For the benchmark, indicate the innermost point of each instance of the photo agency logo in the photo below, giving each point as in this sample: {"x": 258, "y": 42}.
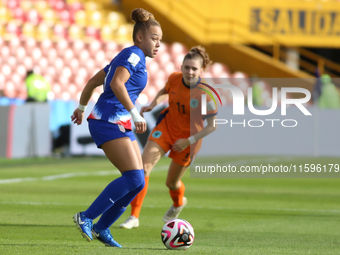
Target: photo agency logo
{"x": 238, "y": 106}
{"x": 212, "y": 104}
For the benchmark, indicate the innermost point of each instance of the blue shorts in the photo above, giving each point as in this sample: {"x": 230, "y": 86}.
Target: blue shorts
{"x": 103, "y": 131}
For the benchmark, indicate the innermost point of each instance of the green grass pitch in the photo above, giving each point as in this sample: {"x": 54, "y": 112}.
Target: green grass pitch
{"x": 38, "y": 198}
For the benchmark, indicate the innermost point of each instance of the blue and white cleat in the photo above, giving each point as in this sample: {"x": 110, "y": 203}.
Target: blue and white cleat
{"x": 84, "y": 225}
{"x": 105, "y": 237}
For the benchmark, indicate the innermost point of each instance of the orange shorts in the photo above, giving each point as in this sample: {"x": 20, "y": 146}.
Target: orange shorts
{"x": 161, "y": 136}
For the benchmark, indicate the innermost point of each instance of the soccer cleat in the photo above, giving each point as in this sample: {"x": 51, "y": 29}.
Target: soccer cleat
{"x": 84, "y": 225}
{"x": 174, "y": 212}
{"x": 105, "y": 237}
{"x": 131, "y": 222}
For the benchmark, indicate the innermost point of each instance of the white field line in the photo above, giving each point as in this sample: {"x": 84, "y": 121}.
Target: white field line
{"x": 190, "y": 207}
{"x": 69, "y": 175}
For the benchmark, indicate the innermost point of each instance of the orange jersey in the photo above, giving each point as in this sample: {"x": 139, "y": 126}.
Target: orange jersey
{"x": 184, "y": 117}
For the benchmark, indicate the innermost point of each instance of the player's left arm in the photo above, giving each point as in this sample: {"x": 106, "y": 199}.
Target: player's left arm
{"x": 181, "y": 144}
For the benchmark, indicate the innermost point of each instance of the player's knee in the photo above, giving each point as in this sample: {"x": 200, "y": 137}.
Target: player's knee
{"x": 171, "y": 184}
{"x": 135, "y": 179}
{"x": 147, "y": 169}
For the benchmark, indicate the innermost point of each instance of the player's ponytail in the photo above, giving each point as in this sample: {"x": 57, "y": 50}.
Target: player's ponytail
{"x": 198, "y": 52}
{"x": 143, "y": 21}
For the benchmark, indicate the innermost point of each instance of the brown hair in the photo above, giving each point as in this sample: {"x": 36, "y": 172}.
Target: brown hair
{"x": 198, "y": 52}
{"x": 143, "y": 21}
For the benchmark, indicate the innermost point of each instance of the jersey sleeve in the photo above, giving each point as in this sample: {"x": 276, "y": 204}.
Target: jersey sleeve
{"x": 106, "y": 68}
{"x": 167, "y": 86}
{"x": 129, "y": 60}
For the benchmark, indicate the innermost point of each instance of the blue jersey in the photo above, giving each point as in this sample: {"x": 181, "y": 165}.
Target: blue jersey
{"x": 108, "y": 107}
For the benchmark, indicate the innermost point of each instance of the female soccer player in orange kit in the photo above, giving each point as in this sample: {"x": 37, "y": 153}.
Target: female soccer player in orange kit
{"x": 172, "y": 133}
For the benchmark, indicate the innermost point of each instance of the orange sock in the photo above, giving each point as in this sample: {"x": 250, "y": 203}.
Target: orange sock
{"x": 137, "y": 202}
{"x": 177, "y": 195}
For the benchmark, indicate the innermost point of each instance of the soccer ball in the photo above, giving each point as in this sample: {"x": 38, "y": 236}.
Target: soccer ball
{"x": 177, "y": 234}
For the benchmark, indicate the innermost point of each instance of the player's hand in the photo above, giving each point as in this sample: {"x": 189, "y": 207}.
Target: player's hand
{"x": 180, "y": 145}
{"x": 77, "y": 116}
{"x": 138, "y": 120}
{"x": 145, "y": 109}
{"x": 140, "y": 127}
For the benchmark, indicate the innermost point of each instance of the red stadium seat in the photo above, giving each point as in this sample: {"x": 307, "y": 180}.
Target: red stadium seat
{"x": 169, "y": 68}
{"x": 100, "y": 58}
{"x": 152, "y": 67}
{"x": 43, "y": 64}
{"x": 58, "y": 64}
{"x": 45, "y": 46}
{"x": 12, "y": 30}
{"x": 29, "y": 44}
{"x": 74, "y": 64}
{"x": 36, "y": 55}
{"x": 90, "y": 65}
{"x": 12, "y": 62}
{"x": 82, "y": 72}
{"x": 59, "y": 5}
{"x": 151, "y": 92}
{"x": 6, "y": 71}
{"x": 110, "y": 46}
{"x": 64, "y": 82}
{"x": 65, "y": 17}
{"x": 59, "y": 32}
{"x": 92, "y": 33}
{"x": 159, "y": 83}
{"x": 80, "y": 82}
{"x": 178, "y": 61}
{"x": 66, "y": 72}
{"x": 18, "y": 82}
{"x": 52, "y": 56}
{"x": 83, "y": 56}
{"x": 10, "y": 90}
{"x": 12, "y": 4}
{"x": 65, "y": 95}
{"x": 94, "y": 48}
{"x": 51, "y": 71}
{"x": 21, "y": 70}
{"x": 18, "y": 15}
{"x": 28, "y": 63}
{"x": 163, "y": 58}
{"x": 33, "y": 17}
{"x": 177, "y": 48}
{"x": 75, "y": 6}
{"x": 14, "y": 45}
{"x": 61, "y": 47}
{"x": 68, "y": 55}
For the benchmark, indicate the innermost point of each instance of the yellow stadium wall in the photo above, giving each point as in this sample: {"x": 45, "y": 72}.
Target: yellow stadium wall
{"x": 293, "y": 23}
{"x": 236, "y": 57}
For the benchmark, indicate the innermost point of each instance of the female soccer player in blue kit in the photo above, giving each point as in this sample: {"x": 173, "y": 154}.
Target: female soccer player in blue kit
{"x": 110, "y": 126}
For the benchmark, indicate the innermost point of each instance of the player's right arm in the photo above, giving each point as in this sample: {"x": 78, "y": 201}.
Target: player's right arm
{"x": 161, "y": 95}
{"x": 97, "y": 80}
{"x": 120, "y": 77}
